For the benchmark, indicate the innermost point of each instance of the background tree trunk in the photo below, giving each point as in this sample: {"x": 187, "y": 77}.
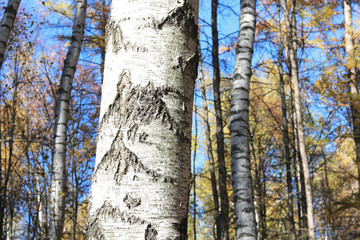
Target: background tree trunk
{"x": 352, "y": 81}
{"x": 239, "y": 125}
{"x": 285, "y": 132}
{"x": 140, "y": 186}
{"x": 209, "y": 147}
{"x": 222, "y": 221}
{"x": 7, "y": 24}
{"x": 58, "y": 177}
{"x": 298, "y": 116}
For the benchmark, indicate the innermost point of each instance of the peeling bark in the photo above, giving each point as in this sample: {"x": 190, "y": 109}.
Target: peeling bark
{"x": 140, "y": 186}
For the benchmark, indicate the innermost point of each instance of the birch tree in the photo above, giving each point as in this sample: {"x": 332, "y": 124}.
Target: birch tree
{"x": 58, "y": 177}
{"x": 140, "y": 186}
{"x": 239, "y": 125}
{"x": 7, "y": 24}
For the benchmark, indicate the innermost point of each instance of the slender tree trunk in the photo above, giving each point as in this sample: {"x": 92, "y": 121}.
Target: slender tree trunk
{"x": 239, "y": 125}
{"x": 7, "y": 24}
{"x": 102, "y": 45}
{"x": 352, "y": 81}
{"x": 39, "y": 203}
{"x": 298, "y": 115}
{"x": 58, "y": 177}
{"x": 299, "y": 175}
{"x": 209, "y": 148}
{"x": 222, "y": 222}
{"x": 140, "y": 187}
{"x": 194, "y": 168}
{"x": 259, "y": 187}
{"x": 75, "y": 199}
{"x": 285, "y": 133}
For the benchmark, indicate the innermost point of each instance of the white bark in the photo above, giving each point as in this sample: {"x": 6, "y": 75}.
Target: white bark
{"x": 7, "y": 24}
{"x": 140, "y": 186}
{"x": 239, "y": 125}
{"x": 58, "y": 177}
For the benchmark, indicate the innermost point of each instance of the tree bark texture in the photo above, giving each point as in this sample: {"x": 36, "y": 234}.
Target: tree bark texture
{"x": 239, "y": 125}
{"x": 58, "y": 177}
{"x": 222, "y": 221}
{"x": 7, "y": 24}
{"x": 298, "y": 115}
{"x": 140, "y": 186}
{"x": 352, "y": 81}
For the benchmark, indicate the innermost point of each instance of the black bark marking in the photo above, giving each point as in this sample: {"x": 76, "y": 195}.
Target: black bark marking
{"x": 115, "y": 36}
{"x": 143, "y": 136}
{"x": 183, "y": 62}
{"x": 182, "y": 17}
{"x": 181, "y": 228}
{"x": 109, "y": 212}
{"x": 113, "y": 33}
{"x": 151, "y": 233}
{"x": 94, "y": 230}
{"x": 131, "y": 134}
{"x": 133, "y": 107}
{"x": 131, "y": 201}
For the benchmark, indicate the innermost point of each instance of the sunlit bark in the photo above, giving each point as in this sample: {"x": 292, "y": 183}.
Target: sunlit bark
{"x": 140, "y": 187}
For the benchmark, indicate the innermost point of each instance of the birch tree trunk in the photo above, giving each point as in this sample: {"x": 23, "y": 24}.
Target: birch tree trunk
{"x": 140, "y": 187}
{"x": 7, "y": 24}
{"x": 58, "y": 177}
{"x": 222, "y": 221}
{"x": 352, "y": 81}
{"x": 239, "y": 125}
{"x": 298, "y": 116}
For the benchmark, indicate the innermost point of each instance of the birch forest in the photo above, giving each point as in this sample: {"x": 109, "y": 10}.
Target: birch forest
{"x": 179, "y": 119}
